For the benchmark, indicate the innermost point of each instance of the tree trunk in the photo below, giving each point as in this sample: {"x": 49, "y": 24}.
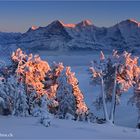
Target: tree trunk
{"x": 113, "y": 103}
{"x": 103, "y": 98}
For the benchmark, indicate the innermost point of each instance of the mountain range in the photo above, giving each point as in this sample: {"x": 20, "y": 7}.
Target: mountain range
{"x": 124, "y": 35}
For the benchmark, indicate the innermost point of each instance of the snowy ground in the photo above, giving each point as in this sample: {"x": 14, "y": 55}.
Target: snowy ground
{"x": 126, "y": 115}
{"x": 30, "y": 128}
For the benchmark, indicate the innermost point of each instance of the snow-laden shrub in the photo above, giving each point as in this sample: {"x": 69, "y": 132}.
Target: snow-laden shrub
{"x": 45, "y": 120}
{"x": 45, "y": 117}
{"x": 39, "y": 108}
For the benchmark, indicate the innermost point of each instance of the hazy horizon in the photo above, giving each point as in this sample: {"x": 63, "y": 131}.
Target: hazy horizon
{"x": 19, "y": 16}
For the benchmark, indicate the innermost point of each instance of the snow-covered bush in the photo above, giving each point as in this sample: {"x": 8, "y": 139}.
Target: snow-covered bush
{"x": 45, "y": 120}
{"x": 39, "y": 108}
{"x": 45, "y": 115}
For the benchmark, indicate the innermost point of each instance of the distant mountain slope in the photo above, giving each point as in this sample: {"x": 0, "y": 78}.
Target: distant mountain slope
{"x": 82, "y": 36}
{"x": 9, "y": 38}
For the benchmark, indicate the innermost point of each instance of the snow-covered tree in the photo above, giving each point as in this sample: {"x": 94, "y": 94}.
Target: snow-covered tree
{"x": 10, "y": 92}
{"x": 18, "y": 58}
{"x": 31, "y": 70}
{"x": 65, "y": 97}
{"x": 81, "y": 108}
{"x": 70, "y": 97}
{"x": 51, "y": 79}
{"x": 39, "y": 108}
{"x": 51, "y": 85}
{"x": 34, "y": 103}
{"x": 4, "y": 99}
{"x": 115, "y": 74}
{"x": 135, "y": 99}
{"x": 45, "y": 115}
{"x": 96, "y": 71}
{"x": 16, "y": 96}
{"x": 21, "y": 105}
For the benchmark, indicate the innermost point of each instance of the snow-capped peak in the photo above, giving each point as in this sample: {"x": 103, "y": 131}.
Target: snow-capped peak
{"x": 134, "y": 21}
{"x": 70, "y": 25}
{"x": 56, "y": 22}
{"x": 34, "y": 27}
{"x": 85, "y": 23}
{"x": 131, "y": 21}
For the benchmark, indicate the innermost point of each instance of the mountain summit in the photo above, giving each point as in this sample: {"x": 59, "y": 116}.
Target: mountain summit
{"x": 124, "y": 35}
{"x": 130, "y": 21}
{"x": 85, "y": 23}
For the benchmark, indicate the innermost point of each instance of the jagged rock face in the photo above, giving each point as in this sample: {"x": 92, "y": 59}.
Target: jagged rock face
{"x": 82, "y": 36}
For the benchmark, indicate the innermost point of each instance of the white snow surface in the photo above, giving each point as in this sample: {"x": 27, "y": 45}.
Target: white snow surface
{"x": 29, "y": 128}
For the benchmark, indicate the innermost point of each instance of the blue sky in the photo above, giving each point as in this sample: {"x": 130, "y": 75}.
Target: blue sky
{"x": 19, "y": 16}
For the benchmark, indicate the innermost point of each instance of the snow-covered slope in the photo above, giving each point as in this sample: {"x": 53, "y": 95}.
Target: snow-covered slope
{"x": 9, "y": 38}
{"x": 82, "y": 36}
{"x": 29, "y": 128}
{"x": 8, "y": 43}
